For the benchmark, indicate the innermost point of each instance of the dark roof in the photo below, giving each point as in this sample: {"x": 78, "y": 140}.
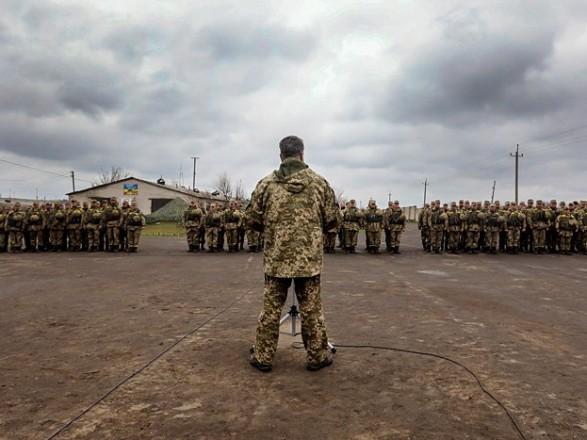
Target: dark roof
{"x": 167, "y": 187}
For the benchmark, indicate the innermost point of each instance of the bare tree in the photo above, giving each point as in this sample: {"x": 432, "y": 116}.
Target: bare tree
{"x": 224, "y": 185}
{"x": 239, "y": 191}
{"x": 340, "y": 197}
{"x": 113, "y": 175}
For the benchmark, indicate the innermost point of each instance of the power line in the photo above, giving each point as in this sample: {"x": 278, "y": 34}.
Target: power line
{"x": 40, "y": 170}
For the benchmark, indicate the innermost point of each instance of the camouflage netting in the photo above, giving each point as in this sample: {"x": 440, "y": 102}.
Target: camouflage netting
{"x": 172, "y": 212}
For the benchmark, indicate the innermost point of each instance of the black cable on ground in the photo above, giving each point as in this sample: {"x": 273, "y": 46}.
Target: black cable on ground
{"x": 141, "y": 369}
{"x": 438, "y": 356}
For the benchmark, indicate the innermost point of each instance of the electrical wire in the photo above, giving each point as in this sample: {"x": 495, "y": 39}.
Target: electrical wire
{"x": 41, "y": 170}
{"x": 141, "y": 369}
{"x": 445, "y": 358}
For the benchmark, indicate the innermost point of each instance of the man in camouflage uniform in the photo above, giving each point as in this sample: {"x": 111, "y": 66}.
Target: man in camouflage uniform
{"x": 386, "y": 229}
{"x": 47, "y": 210}
{"x": 395, "y": 223}
{"x": 232, "y": 224}
{"x": 492, "y": 224}
{"x": 15, "y": 225}
{"x": 112, "y": 220}
{"x": 57, "y": 227}
{"x": 473, "y": 225}
{"x": 582, "y": 226}
{"x": 213, "y": 222}
{"x": 74, "y": 226}
{"x": 122, "y": 236}
{"x": 553, "y": 211}
{"x": 3, "y": 232}
{"x": 253, "y": 236}
{"x": 423, "y": 226}
{"x": 330, "y": 240}
{"x": 35, "y": 223}
{"x": 193, "y": 218}
{"x": 134, "y": 224}
{"x": 84, "y": 231}
{"x": 351, "y": 225}
{"x": 454, "y": 227}
{"x": 437, "y": 222}
{"x": 539, "y": 221}
{"x": 373, "y": 221}
{"x": 565, "y": 225}
{"x": 293, "y": 207}
{"x": 515, "y": 223}
{"x": 527, "y": 239}
{"x": 91, "y": 224}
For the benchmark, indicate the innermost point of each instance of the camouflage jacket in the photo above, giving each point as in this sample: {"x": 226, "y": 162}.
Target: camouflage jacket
{"x": 293, "y": 206}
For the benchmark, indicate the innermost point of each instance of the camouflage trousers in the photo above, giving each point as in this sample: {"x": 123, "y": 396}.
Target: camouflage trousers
{"x": 329, "y": 240}
{"x": 564, "y": 240}
{"x": 56, "y": 237}
{"x": 425, "y": 237}
{"x": 539, "y": 238}
{"x": 3, "y": 241}
{"x": 36, "y": 237}
{"x": 436, "y": 235}
{"x": 133, "y": 236}
{"x": 394, "y": 238}
{"x": 492, "y": 239}
{"x": 514, "y": 238}
{"x": 15, "y": 240}
{"x": 75, "y": 238}
{"x": 193, "y": 236}
{"x": 232, "y": 238}
{"x": 253, "y": 238}
{"x": 454, "y": 239}
{"x": 473, "y": 240}
{"x": 93, "y": 234}
{"x": 373, "y": 239}
{"x": 307, "y": 291}
{"x": 113, "y": 235}
{"x": 212, "y": 237}
{"x": 350, "y": 238}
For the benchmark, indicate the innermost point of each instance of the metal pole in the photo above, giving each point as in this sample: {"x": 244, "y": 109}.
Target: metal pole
{"x": 493, "y": 192}
{"x": 195, "y": 158}
{"x": 425, "y": 190}
{"x": 517, "y": 155}
{"x": 73, "y": 180}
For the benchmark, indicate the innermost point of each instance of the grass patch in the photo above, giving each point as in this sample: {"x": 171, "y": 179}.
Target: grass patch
{"x": 164, "y": 229}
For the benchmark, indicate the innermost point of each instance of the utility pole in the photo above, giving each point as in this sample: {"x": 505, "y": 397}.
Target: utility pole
{"x": 389, "y": 197}
{"x": 517, "y": 155}
{"x": 493, "y": 192}
{"x": 195, "y": 158}
{"x": 73, "y": 180}
{"x": 425, "y": 190}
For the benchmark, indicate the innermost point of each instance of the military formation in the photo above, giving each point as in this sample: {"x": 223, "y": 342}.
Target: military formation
{"x": 512, "y": 228}
{"x": 71, "y": 226}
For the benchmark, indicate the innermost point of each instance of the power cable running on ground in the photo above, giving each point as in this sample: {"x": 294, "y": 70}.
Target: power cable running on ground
{"x": 438, "y": 356}
{"x": 141, "y": 369}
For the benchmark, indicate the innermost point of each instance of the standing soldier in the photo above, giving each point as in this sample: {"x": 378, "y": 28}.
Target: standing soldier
{"x": 565, "y": 225}
{"x": 47, "y": 211}
{"x": 423, "y": 226}
{"x": 35, "y": 224}
{"x": 123, "y": 238}
{"x": 193, "y": 217}
{"x": 213, "y": 222}
{"x": 580, "y": 215}
{"x": 15, "y": 225}
{"x": 352, "y": 223}
{"x": 503, "y": 233}
{"x": 373, "y": 225}
{"x": 396, "y": 224}
{"x": 221, "y": 234}
{"x": 3, "y": 232}
{"x": 232, "y": 223}
{"x": 57, "y": 228}
{"x": 112, "y": 220}
{"x": 253, "y": 236}
{"x": 330, "y": 241}
{"x": 551, "y": 233}
{"x": 515, "y": 223}
{"x": 92, "y": 224}
{"x": 84, "y": 232}
{"x": 454, "y": 228}
{"x": 103, "y": 245}
{"x": 493, "y": 224}
{"x": 473, "y": 225}
{"x": 293, "y": 206}
{"x": 539, "y": 221}
{"x": 74, "y": 226}
{"x": 134, "y": 224}
{"x": 386, "y": 214}
{"x": 530, "y": 208}
{"x": 437, "y": 222}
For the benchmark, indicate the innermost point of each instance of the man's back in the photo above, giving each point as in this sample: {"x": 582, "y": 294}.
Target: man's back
{"x": 293, "y": 206}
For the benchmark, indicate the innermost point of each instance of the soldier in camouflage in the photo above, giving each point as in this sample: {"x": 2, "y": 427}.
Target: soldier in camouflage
{"x": 492, "y": 225}
{"x": 373, "y": 221}
{"x": 539, "y": 221}
{"x": 473, "y": 225}
{"x": 351, "y": 224}
{"x": 35, "y": 223}
{"x": 213, "y": 222}
{"x": 437, "y": 223}
{"x": 193, "y": 218}
{"x": 112, "y": 220}
{"x": 293, "y": 206}
{"x": 92, "y": 224}
{"x": 395, "y": 224}
{"x": 74, "y": 226}
{"x": 454, "y": 227}
{"x": 565, "y": 225}
{"x": 424, "y": 228}
{"x": 515, "y": 223}
{"x": 57, "y": 227}
{"x": 133, "y": 224}
{"x": 14, "y": 226}
{"x": 232, "y": 224}
{"x": 3, "y": 232}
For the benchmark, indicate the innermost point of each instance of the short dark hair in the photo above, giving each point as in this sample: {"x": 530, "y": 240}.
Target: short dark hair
{"x": 291, "y": 146}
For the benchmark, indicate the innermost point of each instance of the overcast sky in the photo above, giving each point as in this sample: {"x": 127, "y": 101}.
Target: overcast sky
{"x": 384, "y": 93}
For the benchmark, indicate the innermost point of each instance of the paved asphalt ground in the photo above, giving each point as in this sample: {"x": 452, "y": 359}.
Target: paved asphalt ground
{"x": 75, "y": 325}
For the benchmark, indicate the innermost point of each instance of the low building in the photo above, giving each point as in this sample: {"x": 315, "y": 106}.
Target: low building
{"x": 150, "y": 196}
